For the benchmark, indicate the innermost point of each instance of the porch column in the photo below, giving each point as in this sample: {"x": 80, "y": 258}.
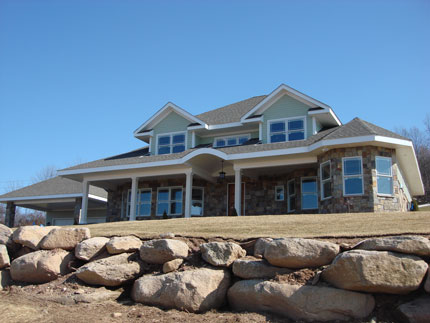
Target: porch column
{"x": 77, "y": 211}
{"x": 238, "y": 190}
{"x": 314, "y": 126}
{"x": 260, "y": 131}
{"x": 10, "y": 214}
{"x": 188, "y": 193}
{"x": 134, "y": 184}
{"x": 84, "y": 209}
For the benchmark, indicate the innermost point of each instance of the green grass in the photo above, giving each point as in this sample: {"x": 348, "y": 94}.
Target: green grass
{"x": 294, "y": 225}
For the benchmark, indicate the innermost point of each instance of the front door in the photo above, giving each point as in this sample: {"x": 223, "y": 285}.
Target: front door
{"x": 230, "y": 199}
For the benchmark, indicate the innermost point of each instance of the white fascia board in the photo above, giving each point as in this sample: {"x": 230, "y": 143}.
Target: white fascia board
{"x": 41, "y": 197}
{"x": 259, "y": 119}
{"x": 328, "y": 111}
{"x": 159, "y": 115}
{"x": 310, "y": 101}
{"x": 196, "y": 127}
{"x": 224, "y": 125}
{"x": 95, "y": 197}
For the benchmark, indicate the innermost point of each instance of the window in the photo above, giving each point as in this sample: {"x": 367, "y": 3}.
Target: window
{"x": 197, "y": 201}
{"x": 231, "y": 141}
{"x": 171, "y": 143}
{"x": 291, "y": 188}
{"x": 279, "y": 193}
{"x": 309, "y": 193}
{"x": 169, "y": 200}
{"x": 384, "y": 175}
{"x": 352, "y": 176}
{"x": 287, "y": 130}
{"x": 325, "y": 180}
{"x": 143, "y": 202}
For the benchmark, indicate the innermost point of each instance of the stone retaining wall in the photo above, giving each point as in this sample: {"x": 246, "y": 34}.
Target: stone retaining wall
{"x": 338, "y": 282}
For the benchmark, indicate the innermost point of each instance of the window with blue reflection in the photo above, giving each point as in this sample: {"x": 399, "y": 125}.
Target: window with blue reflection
{"x": 277, "y": 126}
{"x": 384, "y": 175}
{"x": 278, "y": 137}
{"x": 352, "y": 176}
{"x": 309, "y": 194}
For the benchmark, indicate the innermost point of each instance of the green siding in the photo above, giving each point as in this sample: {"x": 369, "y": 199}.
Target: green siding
{"x": 286, "y": 107}
{"x": 172, "y": 123}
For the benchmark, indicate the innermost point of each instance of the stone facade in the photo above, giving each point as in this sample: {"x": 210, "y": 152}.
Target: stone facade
{"x": 259, "y": 197}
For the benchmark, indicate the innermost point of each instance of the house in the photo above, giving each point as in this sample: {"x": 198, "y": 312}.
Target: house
{"x": 272, "y": 154}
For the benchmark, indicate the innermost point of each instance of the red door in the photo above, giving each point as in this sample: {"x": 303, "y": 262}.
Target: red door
{"x": 230, "y": 198}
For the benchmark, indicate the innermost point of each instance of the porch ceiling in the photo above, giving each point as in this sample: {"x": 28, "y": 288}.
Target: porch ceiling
{"x": 56, "y": 205}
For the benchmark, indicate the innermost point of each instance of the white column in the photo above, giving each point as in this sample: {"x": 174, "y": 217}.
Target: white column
{"x": 238, "y": 191}
{"x": 150, "y": 144}
{"x": 188, "y": 193}
{"x": 193, "y": 139}
{"x": 260, "y": 131}
{"x": 314, "y": 126}
{"x": 84, "y": 209}
{"x": 134, "y": 184}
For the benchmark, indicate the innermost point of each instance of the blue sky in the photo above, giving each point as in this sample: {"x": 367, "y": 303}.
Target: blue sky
{"x": 78, "y": 77}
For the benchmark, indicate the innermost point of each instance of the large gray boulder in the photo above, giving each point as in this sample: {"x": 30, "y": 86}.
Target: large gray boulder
{"x": 300, "y": 253}
{"x": 111, "y": 271}
{"x": 414, "y": 245}
{"x": 221, "y": 253}
{"x": 253, "y": 268}
{"x": 296, "y": 302}
{"x": 5, "y": 279}
{"x": 376, "y": 272}
{"x": 90, "y": 248}
{"x": 416, "y": 311}
{"x": 196, "y": 290}
{"x": 41, "y": 266}
{"x": 118, "y": 245}
{"x": 5, "y": 234}
{"x": 160, "y": 251}
{"x": 260, "y": 246}
{"x": 31, "y": 236}
{"x": 64, "y": 238}
{"x": 4, "y": 257}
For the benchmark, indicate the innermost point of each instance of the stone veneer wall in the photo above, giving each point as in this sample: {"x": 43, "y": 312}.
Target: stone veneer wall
{"x": 370, "y": 201}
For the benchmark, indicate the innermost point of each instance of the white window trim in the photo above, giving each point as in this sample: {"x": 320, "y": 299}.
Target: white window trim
{"x": 138, "y": 201}
{"x": 301, "y": 192}
{"x": 383, "y": 175}
{"x": 169, "y": 188}
{"x": 352, "y": 176}
{"x": 171, "y": 134}
{"x": 269, "y": 122}
{"x": 322, "y": 182}
{"x": 203, "y": 199}
{"x": 283, "y": 191}
{"x": 290, "y": 195}
{"x": 248, "y": 135}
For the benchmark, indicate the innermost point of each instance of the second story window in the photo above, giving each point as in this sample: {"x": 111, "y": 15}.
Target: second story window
{"x": 171, "y": 143}
{"x": 287, "y": 130}
{"x": 231, "y": 140}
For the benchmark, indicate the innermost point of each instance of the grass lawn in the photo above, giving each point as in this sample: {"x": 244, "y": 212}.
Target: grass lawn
{"x": 424, "y": 208}
{"x": 292, "y": 225}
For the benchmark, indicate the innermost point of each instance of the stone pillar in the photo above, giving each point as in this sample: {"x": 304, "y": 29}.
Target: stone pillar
{"x": 238, "y": 191}
{"x": 134, "y": 185}
{"x": 77, "y": 211}
{"x": 10, "y": 214}
{"x": 84, "y": 210}
{"x": 188, "y": 193}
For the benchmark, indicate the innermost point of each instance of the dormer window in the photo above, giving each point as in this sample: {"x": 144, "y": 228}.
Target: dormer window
{"x": 171, "y": 143}
{"x": 287, "y": 129}
{"x": 231, "y": 140}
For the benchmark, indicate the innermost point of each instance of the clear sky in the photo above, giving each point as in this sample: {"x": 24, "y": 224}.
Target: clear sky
{"x": 78, "y": 77}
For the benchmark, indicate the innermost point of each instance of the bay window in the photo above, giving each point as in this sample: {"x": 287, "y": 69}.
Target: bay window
{"x": 384, "y": 175}
{"x": 291, "y": 191}
{"x": 325, "y": 180}
{"x": 309, "y": 193}
{"x": 352, "y": 170}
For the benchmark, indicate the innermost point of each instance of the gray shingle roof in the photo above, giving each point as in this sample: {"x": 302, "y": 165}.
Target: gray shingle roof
{"x": 53, "y": 186}
{"x": 354, "y": 128}
{"x": 230, "y": 113}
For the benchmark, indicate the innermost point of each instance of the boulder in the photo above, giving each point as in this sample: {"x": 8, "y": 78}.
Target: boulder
{"x": 253, "y": 268}
{"x": 31, "y": 236}
{"x": 41, "y": 266}
{"x": 196, "y": 290}
{"x": 427, "y": 283}
{"x": 260, "y": 246}
{"x": 90, "y": 248}
{"x": 376, "y": 272}
{"x": 172, "y": 265}
{"x": 221, "y": 253}
{"x": 118, "y": 245}
{"x": 296, "y": 302}
{"x": 5, "y": 234}
{"x": 4, "y": 257}
{"x": 5, "y": 279}
{"x": 163, "y": 250}
{"x": 97, "y": 295}
{"x": 300, "y": 253}
{"x": 64, "y": 238}
{"x": 112, "y": 271}
{"x": 414, "y": 245}
{"x": 416, "y": 311}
